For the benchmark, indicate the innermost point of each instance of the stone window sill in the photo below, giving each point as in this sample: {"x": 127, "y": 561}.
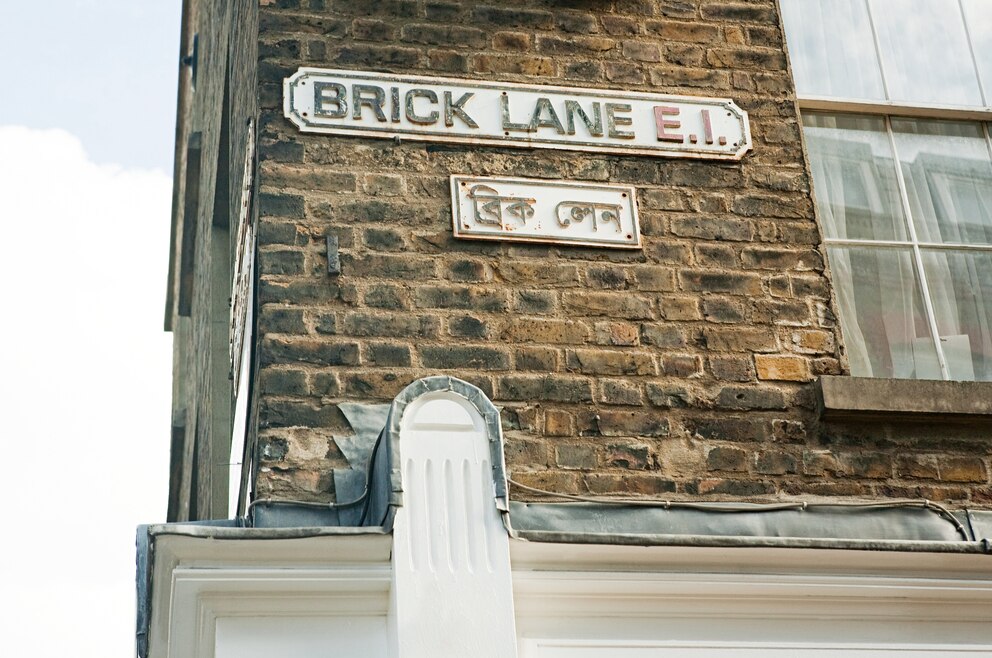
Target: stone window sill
{"x": 864, "y": 398}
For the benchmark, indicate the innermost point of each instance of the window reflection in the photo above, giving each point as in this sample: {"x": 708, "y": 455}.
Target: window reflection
{"x": 961, "y": 288}
{"x": 925, "y": 53}
{"x": 854, "y": 177}
{"x": 882, "y": 315}
{"x": 948, "y": 176}
{"x": 978, "y": 14}
{"x": 924, "y": 45}
{"x": 832, "y": 50}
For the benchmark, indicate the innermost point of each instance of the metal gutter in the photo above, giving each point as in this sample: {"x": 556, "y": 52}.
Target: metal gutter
{"x": 241, "y": 533}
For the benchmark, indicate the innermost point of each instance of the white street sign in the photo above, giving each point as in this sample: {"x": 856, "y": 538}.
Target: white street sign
{"x": 526, "y": 210}
{"x": 509, "y": 114}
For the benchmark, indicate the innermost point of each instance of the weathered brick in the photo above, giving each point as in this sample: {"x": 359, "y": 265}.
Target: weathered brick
{"x": 276, "y": 412}
{"x": 281, "y": 205}
{"x": 467, "y": 326}
{"x": 631, "y": 456}
{"x": 308, "y": 350}
{"x": 553, "y": 388}
{"x": 617, "y": 333}
{"x": 543, "y": 359}
{"x": 743, "y": 398}
{"x": 641, "y": 51}
{"x": 733, "y": 283}
{"x": 774, "y": 462}
{"x": 559, "y": 423}
{"x": 726, "y": 459}
{"x": 739, "y": 339}
{"x": 444, "y": 35}
{"x": 781, "y": 367}
{"x": 369, "y": 55}
{"x": 469, "y": 270}
{"x": 680, "y": 308}
{"x": 325, "y": 384}
{"x": 361, "y": 324}
{"x": 367, "y": 29}
{"x": 684, "y": 31}
{"x": 681, "y": 365}
{"x": 448, "y": 60}
{"x": 723, "y": 310}
{"x": 518, "y": 64}
{"x": 813, "y": 341}
{"x": 388, "y": 355}
{"x": 670, "y": 396}
{"x": 625, "y": 306}
{"x": 379, "y": 384}
{"x": 621, "y": 392}
{"x": 388, "y": 266}
{"x": 602, "y": 362}
{"x": 735, "y": 13}
{"x": 868, "y": 465}
{"x": 637, "y": 485}
{"x": 653, "y": 278}
{"x": 520, "y": 41}
{"x": 776, "y": 258}
{"x": 631, "y": 423}
{"x": 461, "y": 297}
{"x": 712, "y": 228}
{"x": 542, "y": 330}
{"x": 731, "y": 428}
{"x": 573, "y": 45}
{"x": 732, "y": 368}
{"x": 534, "y": 302}
{"x": 663, "y": 336}
{"x": 275, "y": 320}
{"x": 759, "y": 205}
{"x": 733, "y": 487}
{"x": 576, "y": 456}
{"x": 463, "y": 356}
{"x": 514, "y": 17}
{"x": 577, "y": 22}
{"x": 919, "y": 467}
{"x": 962, "y": 469}
{"x": 387, "y": 296}
{"x": 284, "y": 382}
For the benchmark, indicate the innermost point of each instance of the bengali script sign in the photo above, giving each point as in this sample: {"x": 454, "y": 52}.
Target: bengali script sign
{"x": 518, "y": 115}
{"x": 527, "y": 210}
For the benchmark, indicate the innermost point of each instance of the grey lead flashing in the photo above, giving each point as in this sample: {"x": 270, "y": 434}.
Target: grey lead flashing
{"x": 711, "y": 541}
{"x": 475, "y": 397}
{"x": 817, "y": 526}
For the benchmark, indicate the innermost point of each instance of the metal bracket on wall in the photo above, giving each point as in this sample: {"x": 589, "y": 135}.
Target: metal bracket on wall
{"x": 192, "y": 59}
{"x": 333, "y": 259}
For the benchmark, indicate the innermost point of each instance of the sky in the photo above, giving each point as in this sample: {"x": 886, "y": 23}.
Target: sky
{"x": 87, "y": 119}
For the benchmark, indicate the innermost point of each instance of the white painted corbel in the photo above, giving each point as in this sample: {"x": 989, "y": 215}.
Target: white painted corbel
{"x": 452, "y": 592}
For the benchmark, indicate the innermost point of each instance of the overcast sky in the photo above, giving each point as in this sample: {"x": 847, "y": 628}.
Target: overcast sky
{"x": 87, "y": 114}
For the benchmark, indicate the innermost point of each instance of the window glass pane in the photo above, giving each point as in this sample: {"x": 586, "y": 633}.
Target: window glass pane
{"x": 960, "y": 283}
{"x": 854, "y": 177}
{"x": 831, "y": 48}
{"x": 978, "y": 13}
{"x": 925, "y": 53}
{"x": 948, "y": 176}
{"x": 881, "y": 313}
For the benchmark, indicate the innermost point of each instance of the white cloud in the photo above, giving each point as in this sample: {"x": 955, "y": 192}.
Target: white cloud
{"x": 84, "y": 388}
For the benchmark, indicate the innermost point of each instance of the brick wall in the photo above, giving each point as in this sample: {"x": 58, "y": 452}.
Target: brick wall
{"x": 682, "y": 370}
